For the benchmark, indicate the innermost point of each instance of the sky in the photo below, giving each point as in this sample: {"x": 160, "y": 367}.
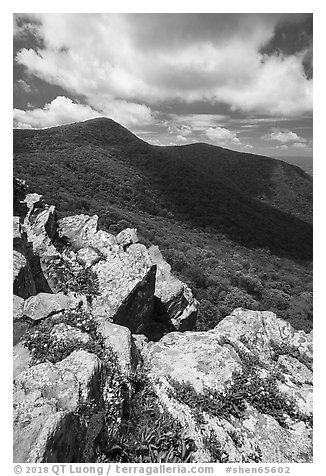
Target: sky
{"x": 240, "y": 81}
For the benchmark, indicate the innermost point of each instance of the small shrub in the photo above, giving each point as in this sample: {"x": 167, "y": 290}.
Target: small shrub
{"x": 148, "y": 433}
{"x": 285, "y": 349}
{"x": 81, "y": 280}
{"x": 245, "y": 387}
{"x": 215, "y": 448}
{"x": 40, "y": 343}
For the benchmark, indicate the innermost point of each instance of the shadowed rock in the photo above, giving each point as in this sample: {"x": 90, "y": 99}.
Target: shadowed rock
{"x": 176, "y": 297}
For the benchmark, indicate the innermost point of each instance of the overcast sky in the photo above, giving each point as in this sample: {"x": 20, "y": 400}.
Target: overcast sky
{"x": 241, "y": 81}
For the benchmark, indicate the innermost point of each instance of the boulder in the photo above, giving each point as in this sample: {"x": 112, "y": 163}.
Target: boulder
{"x": 35, "y": 417}
{"x": 242, "y": 391}
{"x": 45, "y": 304}
{"x": 119, "y": 339}
{"x": 41, "y": 228}
{"x": 47, "y": 426}
{"x": 80, "y": 229}
{"x": 33, "y": 201}
{"x": 126, "y": 287}
{"x": 127, "y": 237}
{"x": 176, "y": 297}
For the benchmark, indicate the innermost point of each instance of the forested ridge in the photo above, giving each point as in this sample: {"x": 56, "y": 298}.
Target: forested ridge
{"x": 236, "y": 227}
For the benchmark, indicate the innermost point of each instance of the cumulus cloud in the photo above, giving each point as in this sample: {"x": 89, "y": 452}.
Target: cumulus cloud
{"x": 181, "y": 138}
{"x": 151, "y": 59}
{"x": 222, "y": 136}
{"x": 299, "y": 145}
{"x": 60, "y": 111}
{"x": 282, "y": 147}
{"x": 284, "y": 136}
{"x": 63, "y": 110}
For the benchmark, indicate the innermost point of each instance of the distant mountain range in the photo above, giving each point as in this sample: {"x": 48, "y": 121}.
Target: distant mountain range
{"x": 305, "y": 163}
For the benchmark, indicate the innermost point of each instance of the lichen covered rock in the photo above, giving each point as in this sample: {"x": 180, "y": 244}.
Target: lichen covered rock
{"x": 90, "y": 310}
{"x": 44, "y": 304}
{"x": 49, "y": 424}
{"x": 243, "y": 388}
{"x": 126, "y": 288}
{"x": 127, "y": 237}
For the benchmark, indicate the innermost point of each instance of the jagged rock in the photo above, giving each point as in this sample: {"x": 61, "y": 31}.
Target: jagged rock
{"x": 23, "y": 282}
{"x": 79, "y": 229}
{"x": 41, "y": 228}
{"x": 35, "y": 417}
{"x": 119, "y": 339}
{"x": 247, "y": 382}
{"x": 126, "y": 284}
{"x": 176, "y": 297}
{"x": 262, "y": 328}
{"x": 33, "y": 201}
{"x": 241, "y": 391}
{"x": 42, "y": 433}
{"x": 44, "y": 305}
{"x": 127, "y": 237}
{"x": 125, "y": 277}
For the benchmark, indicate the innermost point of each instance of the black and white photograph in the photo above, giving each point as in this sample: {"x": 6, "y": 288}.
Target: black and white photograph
{"x": 162, "y": 239}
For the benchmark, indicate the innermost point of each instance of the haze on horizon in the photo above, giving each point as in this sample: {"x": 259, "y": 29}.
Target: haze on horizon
{"x": 240, "y": 81}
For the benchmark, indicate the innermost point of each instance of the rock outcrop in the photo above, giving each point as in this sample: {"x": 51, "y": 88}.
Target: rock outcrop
{"x": 93, "y": 311}
{"x": 46, "y": 402}
{"x": 175, "y": 297}
{"x": 79, "y": 294}
{"x": 243, "y": 389}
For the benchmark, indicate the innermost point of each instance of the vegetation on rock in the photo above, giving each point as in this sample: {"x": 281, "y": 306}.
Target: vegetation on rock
{"x": 148, "y": 433}
{"x": 246, "y": 387}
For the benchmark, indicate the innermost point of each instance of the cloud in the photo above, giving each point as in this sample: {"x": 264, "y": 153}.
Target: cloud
{"x": 283, "y": 135}
{"x": 22, "y": 85}
{"x": 185, "y": 123}
{"x": 63, "y": 111}
{"x": 181, "y": 138}
{"x": 222, "y": 136}
{"x": 154, "y": 59}
{"x": 282, "y": 147}
{"x": 299, "y": 145}
{"x": 60, "y": 111}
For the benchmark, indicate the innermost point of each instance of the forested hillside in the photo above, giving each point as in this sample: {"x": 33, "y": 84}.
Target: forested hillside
{"x": 236, "y": 226}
